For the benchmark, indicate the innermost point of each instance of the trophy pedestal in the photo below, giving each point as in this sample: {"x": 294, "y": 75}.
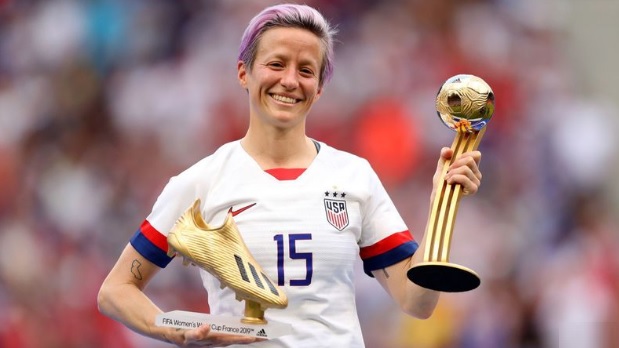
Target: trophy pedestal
{"x": 224, "y": 324}
{"x": 444, "y": 276}
{"x": 254, "y": 314}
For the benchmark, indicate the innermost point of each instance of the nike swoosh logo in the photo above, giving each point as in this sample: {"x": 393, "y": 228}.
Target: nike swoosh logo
{"x": 238, "y": 211}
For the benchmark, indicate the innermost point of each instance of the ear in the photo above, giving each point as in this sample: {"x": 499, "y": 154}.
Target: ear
{"x": 242, "y": 73}
{"x": 318, "y": 94}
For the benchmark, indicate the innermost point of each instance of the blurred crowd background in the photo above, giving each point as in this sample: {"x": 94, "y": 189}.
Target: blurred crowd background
{"x": 101, "y": 101}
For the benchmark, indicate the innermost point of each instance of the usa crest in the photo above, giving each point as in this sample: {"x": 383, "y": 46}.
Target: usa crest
{"x": 337, "y": 215}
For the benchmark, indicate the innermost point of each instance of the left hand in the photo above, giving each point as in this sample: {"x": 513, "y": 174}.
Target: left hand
{"x": 464, "y": 171}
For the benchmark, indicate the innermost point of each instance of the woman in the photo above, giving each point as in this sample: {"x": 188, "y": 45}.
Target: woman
{"x": 305, "y": 210}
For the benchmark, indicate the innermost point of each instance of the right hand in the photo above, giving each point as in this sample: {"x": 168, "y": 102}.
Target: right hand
{"x": 203, "y": 337}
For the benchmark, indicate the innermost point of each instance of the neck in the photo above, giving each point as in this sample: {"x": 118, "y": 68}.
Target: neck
{"x": 280, "y": 150}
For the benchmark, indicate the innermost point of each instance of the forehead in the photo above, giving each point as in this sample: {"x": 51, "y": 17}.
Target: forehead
{"x": 290, "y": 42}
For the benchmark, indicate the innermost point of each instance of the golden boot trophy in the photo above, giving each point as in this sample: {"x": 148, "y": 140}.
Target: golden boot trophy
{"x": 465, "y": 104}
{"x": 222, "y": 252}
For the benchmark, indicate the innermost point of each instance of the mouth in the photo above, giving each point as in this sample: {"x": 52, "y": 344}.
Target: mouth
{"x": 284, "y": 99}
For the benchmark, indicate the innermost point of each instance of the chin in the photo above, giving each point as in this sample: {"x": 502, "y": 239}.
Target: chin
{"x": 285, "y": 117}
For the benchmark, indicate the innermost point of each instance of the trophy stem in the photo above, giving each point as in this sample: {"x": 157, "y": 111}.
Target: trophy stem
{"x": 435, "y": 272}
{"x": 254, "y": 314}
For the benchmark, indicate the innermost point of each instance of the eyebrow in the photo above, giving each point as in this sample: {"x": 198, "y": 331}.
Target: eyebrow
{"x": 302, "y": 62}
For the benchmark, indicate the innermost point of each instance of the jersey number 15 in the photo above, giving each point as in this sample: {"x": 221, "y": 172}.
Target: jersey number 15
{"x": 293, "y": 255}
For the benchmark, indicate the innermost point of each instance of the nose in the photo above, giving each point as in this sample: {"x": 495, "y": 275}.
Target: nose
{"x": 290, "y": 79}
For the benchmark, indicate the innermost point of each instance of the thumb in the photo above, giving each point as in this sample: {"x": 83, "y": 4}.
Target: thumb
{"x": 445, "y": 156}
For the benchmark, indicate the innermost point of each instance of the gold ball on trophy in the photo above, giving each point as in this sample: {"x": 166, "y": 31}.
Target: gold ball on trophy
{"x": 465, "y": 103}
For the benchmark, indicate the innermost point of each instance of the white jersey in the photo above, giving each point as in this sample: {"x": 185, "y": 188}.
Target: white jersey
{"x": 306, "y": 233}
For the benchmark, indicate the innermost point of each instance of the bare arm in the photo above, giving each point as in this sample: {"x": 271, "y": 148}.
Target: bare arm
{"x": 121, "y": 297}
{"x": 413, "y": 299}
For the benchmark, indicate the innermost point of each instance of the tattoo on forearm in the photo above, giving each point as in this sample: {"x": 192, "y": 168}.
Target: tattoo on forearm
{"x": 135, "y": 269}
{"x": 385, "y": 272}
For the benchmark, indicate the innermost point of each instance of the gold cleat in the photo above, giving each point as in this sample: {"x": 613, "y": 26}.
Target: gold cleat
{"x": 222, "y": 252}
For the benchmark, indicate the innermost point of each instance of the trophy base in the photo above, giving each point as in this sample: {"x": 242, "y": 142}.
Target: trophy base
{"x": 443, "y": 276}
{"x": 223, "y": 324}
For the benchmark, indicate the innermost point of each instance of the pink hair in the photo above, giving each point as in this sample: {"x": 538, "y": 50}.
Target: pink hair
{"x": 289, "y": 16}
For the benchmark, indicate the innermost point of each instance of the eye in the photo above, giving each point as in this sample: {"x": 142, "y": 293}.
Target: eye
{"x": 307, "y": 72}
{"x": 276, "y": 65}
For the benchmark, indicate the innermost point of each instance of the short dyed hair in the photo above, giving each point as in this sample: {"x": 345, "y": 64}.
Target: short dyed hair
{"x": 289, "y": 16}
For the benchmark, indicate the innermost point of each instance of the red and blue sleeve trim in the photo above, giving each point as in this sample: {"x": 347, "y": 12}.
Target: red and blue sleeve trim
{"x": 388, "y": 251}
{"x": 151, "y": 244}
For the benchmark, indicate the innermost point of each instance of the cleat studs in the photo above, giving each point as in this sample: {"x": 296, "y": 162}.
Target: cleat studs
{"x": 171, "y": 252}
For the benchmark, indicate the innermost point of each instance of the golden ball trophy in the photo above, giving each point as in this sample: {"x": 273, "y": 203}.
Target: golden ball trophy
{"x": 465, "y": 104}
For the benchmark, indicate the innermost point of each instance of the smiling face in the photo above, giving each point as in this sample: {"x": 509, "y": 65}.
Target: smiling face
{"x": 283, "y": 82}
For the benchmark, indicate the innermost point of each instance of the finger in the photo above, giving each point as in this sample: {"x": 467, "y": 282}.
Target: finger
{"x": 224, "y": 340}
{"x": 470, "y": 184}
{"x": 198, "y": 334}
{"x": 444, "y": 157}
{"x": 468, "y": 187}
{"x": 475, "y": 155}
{"x": 468, "y": 160}
{"x": 467, "y": 174}
{"x": 203, "y": 336}
{"x": 458, "y": 175}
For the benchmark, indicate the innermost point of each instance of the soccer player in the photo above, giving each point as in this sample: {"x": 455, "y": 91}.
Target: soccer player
{"x": 305, "y": 210}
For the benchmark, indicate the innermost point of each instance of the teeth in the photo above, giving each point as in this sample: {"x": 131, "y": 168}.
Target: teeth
{"x": 283, "y": 99}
